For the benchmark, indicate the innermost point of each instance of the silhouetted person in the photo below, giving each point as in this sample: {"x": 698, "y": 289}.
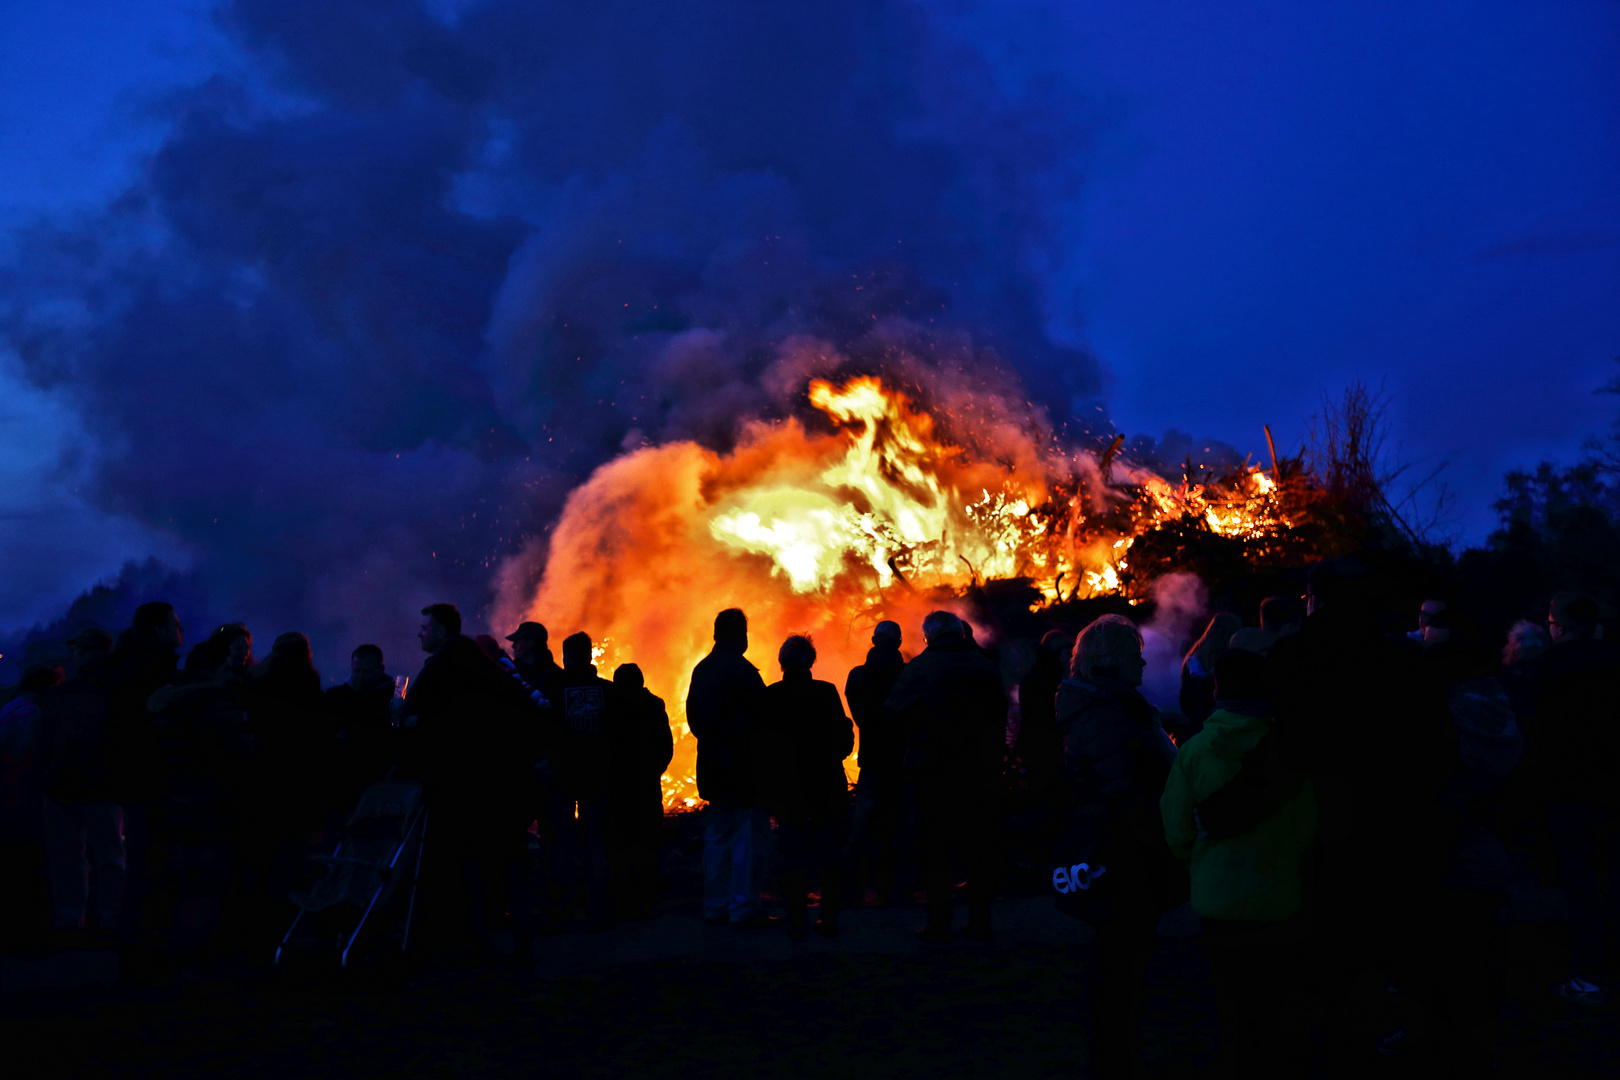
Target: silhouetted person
{"x": 238, "y": 642}
{"x": 143, "y": 661}
{"x": 1036, "y": 754}
{"x": 532, "y": 658}
{"x": 1247, "y": 876}
{"x": 21, "y": 854}
{"x": 1461, "y": 985}
{"x": 1197, "y": 698}
{"x": 473, "y": 750}
{"x": 639, "y": 798}
{"x": 1355, "y": 713}
{"x": 293, "y": 731}
{"x": 1116, "y": 757}
{"x": 803, "y": 738}
{"x": 954, "y": 710}
{"x": 1578, "y": 722}
{"x": 1526, "y": 644}
{"x": 990, "y": 654}
{"x": 209, "y": 750}
{"x": 1037, "y": 744}
{"x": 736, "y": 828}
{"x": 1281, "y": 616}
{"x": 880, "y": 788}
{"x": 591, "y": 759}
{"x": 532, "y": 668}
{"x": 84, "y": 827}
{"x": 360, "y": 711}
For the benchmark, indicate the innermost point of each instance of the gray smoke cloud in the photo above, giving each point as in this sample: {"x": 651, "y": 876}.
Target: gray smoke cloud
{"x": 405, "y": 273}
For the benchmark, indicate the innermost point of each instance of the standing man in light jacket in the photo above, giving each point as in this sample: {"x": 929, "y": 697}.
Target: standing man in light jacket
{"x": 1245, "y": 826}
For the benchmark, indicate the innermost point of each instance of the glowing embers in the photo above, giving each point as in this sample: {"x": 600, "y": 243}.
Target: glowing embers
{"x": 1106, "y": 580}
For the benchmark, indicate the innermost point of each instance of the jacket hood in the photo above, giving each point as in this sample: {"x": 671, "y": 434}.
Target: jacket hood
{"x": 1231, "y": 735}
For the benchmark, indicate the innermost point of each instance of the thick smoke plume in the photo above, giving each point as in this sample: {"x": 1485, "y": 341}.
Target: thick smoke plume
{"x": 406, "y": 273}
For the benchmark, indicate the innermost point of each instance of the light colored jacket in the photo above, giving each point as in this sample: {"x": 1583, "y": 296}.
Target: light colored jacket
{"x": 1256, "y": 876}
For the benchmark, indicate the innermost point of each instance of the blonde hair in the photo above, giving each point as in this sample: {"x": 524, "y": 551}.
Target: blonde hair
{"x": 1104, "y": 643}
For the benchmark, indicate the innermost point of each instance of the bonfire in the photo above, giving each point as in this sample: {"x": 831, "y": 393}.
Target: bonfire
{"x": 879, "y": 504}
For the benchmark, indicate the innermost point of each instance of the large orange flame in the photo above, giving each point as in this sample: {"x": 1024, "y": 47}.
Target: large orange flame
{"x": 883, "y": 517}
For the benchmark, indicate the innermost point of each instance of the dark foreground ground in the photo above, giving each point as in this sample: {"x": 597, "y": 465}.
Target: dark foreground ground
{"x": 668, "y": 997}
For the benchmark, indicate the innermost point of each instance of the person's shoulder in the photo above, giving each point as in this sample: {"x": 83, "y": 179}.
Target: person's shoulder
{"x": 1075, "y": 692}
{"x": 984, "y": 665}
{"x": 716, "y": 662}
{"x": 1076, "y": 698}
{"x": 341, "y": 692}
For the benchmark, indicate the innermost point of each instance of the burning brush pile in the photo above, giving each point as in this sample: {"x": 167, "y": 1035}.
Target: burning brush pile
{"x": 884, "y": 497}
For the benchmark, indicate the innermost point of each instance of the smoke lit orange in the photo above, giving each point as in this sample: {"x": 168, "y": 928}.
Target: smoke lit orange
{"x": 885, "y": 515}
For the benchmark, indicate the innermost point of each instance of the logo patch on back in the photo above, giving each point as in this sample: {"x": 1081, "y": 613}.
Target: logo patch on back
{"x": 583, "y": 706}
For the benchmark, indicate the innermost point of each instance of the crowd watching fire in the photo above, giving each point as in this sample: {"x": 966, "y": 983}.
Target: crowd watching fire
{"x": 902, "y": 641}
{"x": 884, "y": 509}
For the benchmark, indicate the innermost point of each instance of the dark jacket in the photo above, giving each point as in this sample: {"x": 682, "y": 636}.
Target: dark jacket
{"x": 1197, "y": 696}
{"x": 1115, "y": 752}
{"x": 650, "y": 747}
{"x": 802, "y": 739}
{"x": 594, "y": 752}
{"x": 292, "y": 730}
{"x": 951, "y": 704}
{"x": 209, "y": 752}
{"x": 1037, "y": 745}
{"x": 472, "y": 742}
{"x": 543, "y": 675}
{"x": 362, "y": 723}
{"x": 73, "y": 737}
{"x": 719, "y": 704}
{"x": 1578, "y": 721}
{"x": 1116, "y": 758}
{"x": 883, "y": 743}
{"x": 135, "y": 672}
{"x": 1358, "y": 715}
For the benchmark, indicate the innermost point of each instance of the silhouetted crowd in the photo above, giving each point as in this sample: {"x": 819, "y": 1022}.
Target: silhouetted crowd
{"x": 1336, "y": 800}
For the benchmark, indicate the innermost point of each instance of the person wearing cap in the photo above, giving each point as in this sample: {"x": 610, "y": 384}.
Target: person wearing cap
{"x": 84, "y": 827}
{"x": 883, "y": 749}
{"x": 533, "y": 667}
{"x": 532, "y": 657}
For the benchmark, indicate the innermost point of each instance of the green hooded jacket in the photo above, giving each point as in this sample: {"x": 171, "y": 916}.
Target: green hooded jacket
{"x": 1255, "y": 876}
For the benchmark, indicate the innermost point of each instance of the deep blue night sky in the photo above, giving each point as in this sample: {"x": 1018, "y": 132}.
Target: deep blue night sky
{"x": 282, "y": 280}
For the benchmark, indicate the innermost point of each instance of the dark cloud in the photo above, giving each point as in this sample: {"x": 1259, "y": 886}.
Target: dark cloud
{"x": 399, "y": 279}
